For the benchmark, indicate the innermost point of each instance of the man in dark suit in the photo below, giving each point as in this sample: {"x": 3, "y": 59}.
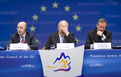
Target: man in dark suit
{"x": 100, "y": 34}
{"x": 22, "y": 36}
{"x": 62, "y": 36}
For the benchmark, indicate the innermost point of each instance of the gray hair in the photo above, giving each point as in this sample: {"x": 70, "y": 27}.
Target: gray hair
{"x": 63, "y": 21}
{"x": 102, "y": 20}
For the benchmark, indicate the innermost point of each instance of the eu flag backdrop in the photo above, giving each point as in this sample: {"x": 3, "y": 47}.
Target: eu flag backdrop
{"x": 43, "y": 16}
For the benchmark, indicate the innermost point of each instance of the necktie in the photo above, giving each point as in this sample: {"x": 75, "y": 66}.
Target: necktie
{"x": 22, "y": 39}
{"x": 62, "y": 39}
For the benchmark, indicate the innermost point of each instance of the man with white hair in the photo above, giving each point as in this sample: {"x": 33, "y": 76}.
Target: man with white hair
{"x": 22, "y": 36}
{"x": 62, "y": 36}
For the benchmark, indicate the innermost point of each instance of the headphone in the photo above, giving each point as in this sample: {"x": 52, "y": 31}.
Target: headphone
{"x": 25, "y": 27}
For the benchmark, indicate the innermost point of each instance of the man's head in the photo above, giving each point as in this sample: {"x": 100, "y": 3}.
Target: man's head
{"x": 62, "y": 25}
{"x": 21, "y": 28}
{"x": 101, "y": 25}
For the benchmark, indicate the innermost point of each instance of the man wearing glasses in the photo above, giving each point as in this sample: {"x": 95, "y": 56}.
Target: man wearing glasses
{"x": 100, "y": 34}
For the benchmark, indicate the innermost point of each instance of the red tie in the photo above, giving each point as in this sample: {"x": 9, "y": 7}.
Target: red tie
{"x": 22, "y": 39}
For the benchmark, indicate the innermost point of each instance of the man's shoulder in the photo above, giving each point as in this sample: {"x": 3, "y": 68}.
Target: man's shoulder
{"x": 29, "y": 33}
{"x": 92, "y": 31}
{"x": 14, "y": 35}
{"x": 107, "y": 31}
{"x": 55, "y": 33}
{"x": 71, "y": 32}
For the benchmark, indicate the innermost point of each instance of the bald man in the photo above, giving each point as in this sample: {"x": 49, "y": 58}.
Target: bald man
{"x": 22, "y": 36}
{"x": 62, "y": 33}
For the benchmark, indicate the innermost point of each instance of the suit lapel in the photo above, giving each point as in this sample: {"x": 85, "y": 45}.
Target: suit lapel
{"x": 95, "y": 36}
{"x": 26, "y": 38}
{"x": 17, "y": 40}
{"x": 57, "y": 38}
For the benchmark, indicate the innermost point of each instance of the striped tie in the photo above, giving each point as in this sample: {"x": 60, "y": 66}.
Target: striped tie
{"x": 22, "y": 39}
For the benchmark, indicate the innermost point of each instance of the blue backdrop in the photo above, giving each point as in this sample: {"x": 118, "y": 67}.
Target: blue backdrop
{"x": 42, "y": 17}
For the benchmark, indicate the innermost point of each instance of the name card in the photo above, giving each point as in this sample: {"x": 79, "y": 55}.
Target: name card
{"x": 65, "y": 45}
{"x": 14, "y": 46}
{"x": 102, "y": 45}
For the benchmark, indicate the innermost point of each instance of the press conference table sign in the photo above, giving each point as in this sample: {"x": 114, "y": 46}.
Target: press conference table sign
{"x": 102, "y": 45}
{"x": 16, "y": 46}
{"x": 65, "y": 45}
{"x": 62, "y": 62}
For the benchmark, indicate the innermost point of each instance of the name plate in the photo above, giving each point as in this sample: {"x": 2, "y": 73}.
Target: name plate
{"x": 102, "y": 45}
{"x": 14, "y": 46}
{"x": 65, "y": 45}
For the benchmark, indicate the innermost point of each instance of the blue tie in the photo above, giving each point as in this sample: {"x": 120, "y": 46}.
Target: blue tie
{"x": 62, "y": 40}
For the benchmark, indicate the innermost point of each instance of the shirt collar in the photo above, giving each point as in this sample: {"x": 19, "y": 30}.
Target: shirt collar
{"x": 23, "y": 35}
{"x": 59, "y": 34}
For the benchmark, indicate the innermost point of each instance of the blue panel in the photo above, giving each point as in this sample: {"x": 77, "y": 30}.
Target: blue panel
{"x": 20, "y": 64}
{"x": 102, "y": 63}
{"x": 88, "y": 12}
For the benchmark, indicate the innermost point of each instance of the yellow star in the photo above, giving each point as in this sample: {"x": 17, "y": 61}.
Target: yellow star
{"x": 33, "y": 28}
{"x": 78, "y": 28}
{"x": 35, "y": 17}
{"x": 67, "y": 8}
{"x": 76, "y": 40}
{"x": 43, "y": 48}
{"x": 55, "y": 5}
{"x": 43, "y": 8}
{"x": 37, "y": 40}
{"x": 75, "y": 17}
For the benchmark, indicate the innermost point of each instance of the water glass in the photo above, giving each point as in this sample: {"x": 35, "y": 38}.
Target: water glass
{"x": 52, "y": 47}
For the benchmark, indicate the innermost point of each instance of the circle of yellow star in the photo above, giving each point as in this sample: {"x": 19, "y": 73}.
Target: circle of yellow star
{"x": 78, "y": 28}
{"x": 43, "y": 8}
{"x": 67, "y": 8}
{"x": 55, "y": 5}
{"x": 37, "y": 40}
{"x": 77, "y": 40}
{"x": 75, "y": 17}
{"x": 35, "y": 17}
{"x": 43, "y": 48}
{"x": 32, "y": 28}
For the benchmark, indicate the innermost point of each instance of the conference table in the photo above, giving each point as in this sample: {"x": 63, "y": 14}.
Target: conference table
{"x": 96, "y": 63}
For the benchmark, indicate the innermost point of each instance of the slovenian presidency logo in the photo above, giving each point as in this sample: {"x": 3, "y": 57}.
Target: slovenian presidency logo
{"x": 61, "y": 63}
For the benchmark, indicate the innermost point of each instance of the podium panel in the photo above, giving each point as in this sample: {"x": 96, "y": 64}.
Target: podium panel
{"x": 96, "y": 63}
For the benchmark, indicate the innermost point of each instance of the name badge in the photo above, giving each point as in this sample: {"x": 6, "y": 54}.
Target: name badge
{"x": 65, "y": 45}
{"x": 14, "y": 46}
{"x": 102, "y": 45}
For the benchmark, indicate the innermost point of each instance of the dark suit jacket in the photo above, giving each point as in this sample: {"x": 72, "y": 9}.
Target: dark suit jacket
{"x": 54, "y": 39}
{"x": 29, "y": 38}
{"x": 93, "y": 37}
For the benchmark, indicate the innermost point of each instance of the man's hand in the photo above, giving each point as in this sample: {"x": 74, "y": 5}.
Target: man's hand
{"x": 64, "y": 29}
{"x": 99, "y": 33}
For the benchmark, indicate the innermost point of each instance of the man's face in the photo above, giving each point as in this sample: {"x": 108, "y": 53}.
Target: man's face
{"x": 62, "y": 27}
{"x": 21, "y": 28}
{"x": 101, "y": 27}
